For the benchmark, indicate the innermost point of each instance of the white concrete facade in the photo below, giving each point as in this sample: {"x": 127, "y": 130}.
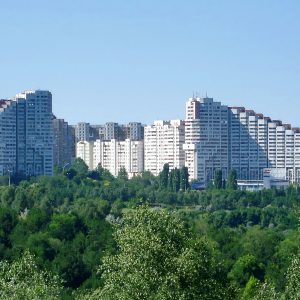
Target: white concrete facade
{"x": 114, "y": 155}
{"x": 84, "y": 150}
{"x": 206, "y": 142}
{"x": 164, "y": 145}
{"x": 221, "y": 137}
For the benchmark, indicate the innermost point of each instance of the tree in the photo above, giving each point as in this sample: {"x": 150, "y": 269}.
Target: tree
{"x": 70, "y": 173}
{"x": 267, "y": 291}
{"x": 94, "y": 174}
{"x": 8, "y": 220}
{"x": 292, "y": 289}
{"x": 251, "y": 289}
{"x": 158, "y": 259}
{"x": 123, "y": 175}
{"x": 232, "y": 180}
{"x": 23, "y": 280}
{"x": 184, "y": 178}
{"x": 245, "y": 267}
{"x": 218, "y": 179}
{"x": 174, "y": 181}
{"x": 164, "y": 177}
{"x": 80, "y": 166}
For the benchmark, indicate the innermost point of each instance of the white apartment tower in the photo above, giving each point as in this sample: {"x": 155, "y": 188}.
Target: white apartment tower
{"x": 206, "y": 138}
{"x": 284, "y": 149}
{"x": 114, "y": 155}
{"x": 247, "y": 143}
{"x": 84, "y": 150}
{"x": 164, "y": 144}
{"x": 221, "y": 137}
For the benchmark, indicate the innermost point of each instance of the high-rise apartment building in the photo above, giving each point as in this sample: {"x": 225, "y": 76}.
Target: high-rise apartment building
{"x": 109, "y": 131}
{"x": 247, "y": 143}
{"x": 114, "y": 155}
{"x": 8, "y": 137}
{"x": 26, "y": 128}
{"x": 64, "y": 142}
{"x": 84, "y": 150}
{"x": 112, "y": 131}
{"x": 134, "y": 131}
{"x": 221, "y": 137}
{"x": 82, "y": 131}
{"x": 206, "y": 138}
{"x": 164, "y": 145}
{"x": 34, "y": 133}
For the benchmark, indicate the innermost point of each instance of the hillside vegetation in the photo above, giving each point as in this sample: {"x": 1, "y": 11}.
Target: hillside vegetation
{"x": 87, "y": 235}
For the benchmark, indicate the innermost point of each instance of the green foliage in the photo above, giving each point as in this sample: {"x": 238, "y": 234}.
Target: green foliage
{"x": 64, "y": 226}
{"x": 250, "y": 290}
{"x": 164, "y": 177}
{"x": 8, "y": 221}
{"x": 292, "y": 289}
{"x": 158, "y": 259}
{"x": 22, "y": 280}
{"x": 244, "y": 268}
{"x": 67, "y": 222}
{"x": 184, "y": 179}
{"x": 123, "y": 175}
{"x": 218, "y": 182}
{"x": 174, "y": 181}
{"x": 232, "y": 180}
{"x": 80, "y": 166}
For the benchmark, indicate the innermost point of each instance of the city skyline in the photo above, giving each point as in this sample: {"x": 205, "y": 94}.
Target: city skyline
{"x": 182, "y": 112}
{"x": 213, "y": 136}
{"x": 133, "y": 55}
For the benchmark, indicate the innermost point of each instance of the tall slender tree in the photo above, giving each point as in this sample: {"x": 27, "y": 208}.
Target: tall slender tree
{"x": 184, "y": 179}
{"x": 218, "y": 179}
{"x": 232, "y": 180}
{"x": 164, "y": 176}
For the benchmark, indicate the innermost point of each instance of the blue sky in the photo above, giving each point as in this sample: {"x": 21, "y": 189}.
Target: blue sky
{"x": 140, "y": 60}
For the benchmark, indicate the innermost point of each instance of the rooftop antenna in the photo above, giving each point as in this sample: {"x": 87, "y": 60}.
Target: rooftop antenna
{"x": 206, "y": 95}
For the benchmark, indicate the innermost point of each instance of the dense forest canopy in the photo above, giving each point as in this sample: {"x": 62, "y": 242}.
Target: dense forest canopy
{"x": 75, "y": 227}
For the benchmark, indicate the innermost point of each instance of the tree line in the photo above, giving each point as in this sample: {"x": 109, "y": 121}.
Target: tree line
{"x": 87, "y": 235}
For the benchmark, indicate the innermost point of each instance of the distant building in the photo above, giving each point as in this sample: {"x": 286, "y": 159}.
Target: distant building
{"x": 34, "y": 133}
{"x": 109, "y": 131}
{"x": 276, "y": 177}
{"x": 64, "y": 142}
{"x": 134, "y": 131}
{"x": 84, "y": 150}
{"x": 222, "y": 137}
{"x": 82, "y": 131}
{"x": 114, "y": 155}
{"x": 164, "y": 145}
{"x": 112, "y": 131}
{"x": 206, "y": 139}
{"x": 8, "y": 137}
{"x": 26, "y": 144}
{"x": 251, "y": 185}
